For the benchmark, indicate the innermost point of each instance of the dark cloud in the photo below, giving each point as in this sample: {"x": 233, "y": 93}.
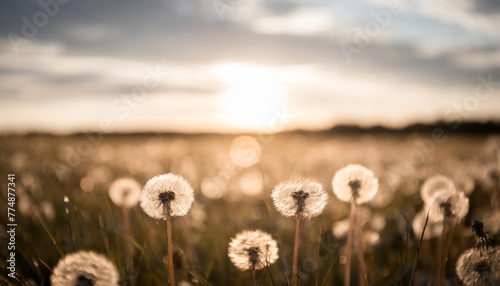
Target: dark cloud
{"x": 487, "y": 6}
{"x": 126, "y": 15}
{"x": 406, "y": 63}
{"x": 48, "y": 77}
{"x": 281, "y": 7}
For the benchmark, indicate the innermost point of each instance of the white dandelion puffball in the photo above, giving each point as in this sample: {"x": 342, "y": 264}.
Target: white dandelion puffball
{"x": 476, "y": 268}
{"x": 253, "y": 248}
{"x": 84, "y": 268}
{"x": 434, "y": 185}
{"x": 299, "y": 196}
{"x": 355, "y": 183}
{"x": 446, "y": 204}
{"x": 125, "y": 192}
{"x": 167, "y": 188}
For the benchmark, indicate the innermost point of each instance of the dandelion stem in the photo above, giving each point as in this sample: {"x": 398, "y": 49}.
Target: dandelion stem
{"x": 252, "y": 276}
{"x": 70, "y": 225}
{"x": 363, "y": 276}
{"x": 352, "y": 222}
{"x": 442, "y": 254}
{"x": 171, "y": 277}
{"x": 296, "y": 250}
{"x": 448, "y": 229}
{"x": 128, "y": 238}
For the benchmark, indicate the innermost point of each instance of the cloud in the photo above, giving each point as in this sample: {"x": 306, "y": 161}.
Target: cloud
{"x": 479, "y": 59}
{"x": 301, "y": 21}
{"x": 93, "y": 52}
{"x": 460, "y": 13}
{"x": 487, "y": 6}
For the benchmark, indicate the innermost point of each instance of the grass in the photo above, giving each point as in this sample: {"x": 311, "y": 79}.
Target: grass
{"x": 49, "y": 168}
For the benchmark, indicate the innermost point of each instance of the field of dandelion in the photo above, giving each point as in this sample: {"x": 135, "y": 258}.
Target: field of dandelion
{"x": 232, "y": 177}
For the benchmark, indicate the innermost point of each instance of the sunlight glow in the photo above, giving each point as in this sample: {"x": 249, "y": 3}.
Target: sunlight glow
{"x": 252, "y": 96}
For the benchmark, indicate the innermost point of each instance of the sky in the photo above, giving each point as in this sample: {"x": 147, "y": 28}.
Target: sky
{"x": 245, "y": 65}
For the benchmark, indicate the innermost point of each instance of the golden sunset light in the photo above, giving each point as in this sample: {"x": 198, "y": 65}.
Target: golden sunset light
{"x": 251, "y": 96}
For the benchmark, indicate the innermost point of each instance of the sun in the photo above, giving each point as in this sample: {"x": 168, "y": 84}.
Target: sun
{"x": 252, "y": 95}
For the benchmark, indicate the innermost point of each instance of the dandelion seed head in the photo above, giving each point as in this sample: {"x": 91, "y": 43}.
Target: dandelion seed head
{"x": 125, "y": 192}
{"x": 166, "y": 188}
{"x": 446, "y": 204}
{"x": 355, "y": 182}
{"x": 479, "y": 268}
{"x": 84, "y": 268}
{"x": 436, "y": 184}
{"x": 300, "y": 195}
{"x": 253, "y": 248}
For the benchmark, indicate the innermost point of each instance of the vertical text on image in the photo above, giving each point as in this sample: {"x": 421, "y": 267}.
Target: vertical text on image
{"x": 11, "y": 225}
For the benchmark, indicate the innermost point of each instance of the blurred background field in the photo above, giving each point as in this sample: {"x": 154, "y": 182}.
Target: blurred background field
{"x": 233, "y": 176}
